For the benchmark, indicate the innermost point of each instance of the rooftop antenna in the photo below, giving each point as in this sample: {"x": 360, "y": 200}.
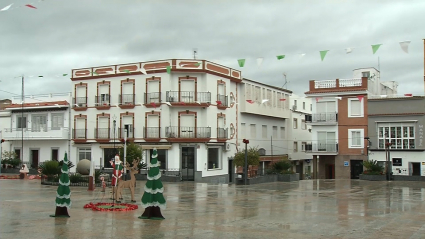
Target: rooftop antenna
{"x": 286, "y": 82}
{"x": 195, "y": 51}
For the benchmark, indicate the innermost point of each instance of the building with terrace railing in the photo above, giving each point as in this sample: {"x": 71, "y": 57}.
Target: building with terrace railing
{"x": 184, "y": 108}
{"x": 339, "y": 122}
{"x": 38, "y": 128}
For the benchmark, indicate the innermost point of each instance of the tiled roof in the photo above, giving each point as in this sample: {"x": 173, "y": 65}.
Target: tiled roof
{"x": 40, "y": 104}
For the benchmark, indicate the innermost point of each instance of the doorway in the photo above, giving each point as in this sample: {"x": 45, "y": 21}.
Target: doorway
{"x": 299, "y": 169}
{"x": 108, "y": 155}
{"x": 231, "y": 171}
{"x": 416, "y": 169}
{"x": 330, "y": 171}
{"x": 188, "y": 163}
{"x": 356, "y": 168}
{"x": 34, "y": 158}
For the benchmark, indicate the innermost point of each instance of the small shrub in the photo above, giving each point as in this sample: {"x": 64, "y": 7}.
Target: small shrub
{"x": 50, "y": 168}
{"x": 283, "y": 167}
{"x": 372, "y": 167}
{"x": 14, "y": 162}
{"x": 75, "y": 178}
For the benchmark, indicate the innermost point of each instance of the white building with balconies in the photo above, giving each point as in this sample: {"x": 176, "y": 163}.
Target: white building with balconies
{"x": 185, "y": 108}
{"x": 299, "y": 134}
{"x": 37, "y": 129}
{"x": 264, "y": 120}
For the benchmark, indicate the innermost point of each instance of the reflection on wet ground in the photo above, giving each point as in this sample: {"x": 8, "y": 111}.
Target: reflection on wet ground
{"x": 305, "y": 209}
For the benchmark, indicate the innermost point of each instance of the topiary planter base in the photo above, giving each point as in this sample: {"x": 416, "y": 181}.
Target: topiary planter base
{"x": 371, "y": 177}
{"x": 288, "y": 177}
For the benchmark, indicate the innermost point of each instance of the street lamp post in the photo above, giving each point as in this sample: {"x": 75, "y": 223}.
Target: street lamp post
{"x": 246, "y": 142}
{"x": 367, "y": 147}
{"x": 115, "y": 124}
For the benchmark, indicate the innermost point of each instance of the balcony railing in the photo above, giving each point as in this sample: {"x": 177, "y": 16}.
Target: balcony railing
{"x": 35, "y": 133}
{"x": 129, "y": 134}
{"x": 188, "y": 97}
{"x": 223, "y": 99}
{"x": 102, "y": 100}
{"x": 152, "y": 97}
{"x": 79, "y": 102}
{"x": 102, "y": 133}
{"x": 152, "y": 132}
{"x": 222, "y": 133}
{"x": 350, "y": 82}
{"x": 126, "y": 99}
{"x": 80, "y": 134}
{"x": 321, "y": 147}
{"x": 324, "y": 117}
{"x": 187, "y": 132}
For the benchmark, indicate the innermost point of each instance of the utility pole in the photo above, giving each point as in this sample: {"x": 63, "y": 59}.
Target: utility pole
{"x": 22, "y": 123}
{"x": 125, "y": 153}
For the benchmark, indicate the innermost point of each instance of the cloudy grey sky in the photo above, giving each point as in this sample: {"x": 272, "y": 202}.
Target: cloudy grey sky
{"x": 65, "y": 34}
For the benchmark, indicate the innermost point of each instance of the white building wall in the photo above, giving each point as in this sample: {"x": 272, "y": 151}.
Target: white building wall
{"x": 4, "y": 121}
{"x": 280, "y": 145}
{"x": 300, "y": 134}
{"x": 407, "y": 158}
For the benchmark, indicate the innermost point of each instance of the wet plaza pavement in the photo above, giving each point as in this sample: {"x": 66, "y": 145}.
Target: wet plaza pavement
{"x": 305, "y": 209}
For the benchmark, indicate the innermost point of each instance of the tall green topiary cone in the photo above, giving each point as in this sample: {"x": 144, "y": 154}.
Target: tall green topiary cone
{"x": 153, "y": 200}
{"x": 63, "y": 194}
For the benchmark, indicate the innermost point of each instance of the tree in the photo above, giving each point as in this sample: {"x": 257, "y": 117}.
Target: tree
{"x": 63, "y": 194}
{"x": 133, "y": 152}
{"x": 152, "y": 199}
{"x": 253, "y": 157}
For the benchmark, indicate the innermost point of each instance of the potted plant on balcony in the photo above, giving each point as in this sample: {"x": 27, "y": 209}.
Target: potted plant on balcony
{"x": 373, "y": 172}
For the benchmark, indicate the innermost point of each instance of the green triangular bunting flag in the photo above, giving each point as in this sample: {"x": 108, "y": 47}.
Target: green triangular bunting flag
{"x": 153, "y": 200}
{"x": 95, "y": 73}
{"x": 198, "y": 64}
{"x": 64, "y": 74}
{"x": 323, "y": 54}
{"x": 241, "y": 62}
{"x": 126, "y": 71}
{"x": 280, "y": 57}
{"x": 169, "y": 69}
{"x": 40, "y": 76}
{"x": 375, "y": 47}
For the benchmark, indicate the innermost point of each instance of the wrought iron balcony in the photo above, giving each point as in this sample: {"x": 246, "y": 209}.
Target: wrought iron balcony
{"x": 102, "y": 133}
{"x": 102, "y": 100}
{"x": 152, "y": 97}
{"x": 126, "y": 99}
{"x": 80, "y": 134}
{"x": 129, "y": 134}
{"x": 323, "y": 118}
{"x": 223, "y": 99}
{"x": 187, "y": 132}
{"x": 189, "y": 97}
{"x": 222, "y": 133}
{"x": 79, "y": 102}
{"x": 152, "y": 132}
{"x": 321, "y": 148}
